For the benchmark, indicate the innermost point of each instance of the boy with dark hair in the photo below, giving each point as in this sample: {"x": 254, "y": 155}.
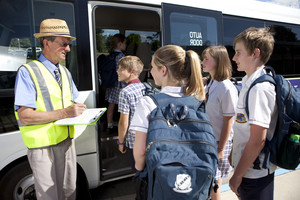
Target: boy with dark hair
{"x": 253, "y": 48}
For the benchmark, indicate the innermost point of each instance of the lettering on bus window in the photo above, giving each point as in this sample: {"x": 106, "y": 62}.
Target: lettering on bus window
{"x": 196, "y": 39}
{"x": 193, "y": 30}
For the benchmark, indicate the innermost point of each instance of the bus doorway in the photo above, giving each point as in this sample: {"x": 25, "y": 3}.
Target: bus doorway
{"x": 141, "y": 27}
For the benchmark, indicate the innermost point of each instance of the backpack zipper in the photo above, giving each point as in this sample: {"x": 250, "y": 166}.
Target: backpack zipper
{"x": 182, "y": 120}
{"x": 179, "y": 142}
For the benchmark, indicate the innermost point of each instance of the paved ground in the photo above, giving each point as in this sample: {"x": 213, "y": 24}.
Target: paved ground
{"x": 287, "y": 187}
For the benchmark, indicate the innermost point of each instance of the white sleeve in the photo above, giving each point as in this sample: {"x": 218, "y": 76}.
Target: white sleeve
{"x": 229, "y": 102}
{"x": 262, "y": 103}
{"x": 140, "y": 120}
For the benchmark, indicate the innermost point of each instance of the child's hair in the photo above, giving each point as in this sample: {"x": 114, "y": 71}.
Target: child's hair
{"x": 223, "y": 64}
{"x": 260, "y": 38}
{"x": 116, "y": 39}
{"x": 131, "y": 63}
{"x": 183, "y": 66}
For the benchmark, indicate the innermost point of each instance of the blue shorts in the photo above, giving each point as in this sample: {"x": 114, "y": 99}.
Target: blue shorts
{"x": 258, "y": 189}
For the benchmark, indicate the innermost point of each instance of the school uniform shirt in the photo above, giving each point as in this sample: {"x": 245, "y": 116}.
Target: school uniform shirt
{"x": 222, "y": 101}
{"x": 128, "y": 100}
{"x": 140, "y": 120}
{"x": 262, "y": 112}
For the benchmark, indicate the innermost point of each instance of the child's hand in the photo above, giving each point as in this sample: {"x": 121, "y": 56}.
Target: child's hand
{"x": 122, "y": 148}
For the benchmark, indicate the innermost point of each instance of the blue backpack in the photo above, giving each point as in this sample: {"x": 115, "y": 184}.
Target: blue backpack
{"x": 150, "y": 89}
{"x": 107, "y": 68}
{"x": 281, "y": 150}
{"x": 181, "y": 154}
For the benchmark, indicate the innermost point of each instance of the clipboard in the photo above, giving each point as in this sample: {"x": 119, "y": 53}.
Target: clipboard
{"x": 90, "y": 116}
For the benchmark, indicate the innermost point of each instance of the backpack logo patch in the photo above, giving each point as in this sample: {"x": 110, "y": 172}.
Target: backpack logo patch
{"x": 240, "y": 118}
{"x": 183, "y": 183}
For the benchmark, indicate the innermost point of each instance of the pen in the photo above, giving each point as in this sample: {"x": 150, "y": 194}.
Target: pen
{"x": 73, "y": 101}
{"x": 96, "y": 117}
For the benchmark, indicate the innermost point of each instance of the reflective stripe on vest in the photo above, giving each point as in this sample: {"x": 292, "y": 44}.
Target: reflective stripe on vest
{"x": 49, "y": 97}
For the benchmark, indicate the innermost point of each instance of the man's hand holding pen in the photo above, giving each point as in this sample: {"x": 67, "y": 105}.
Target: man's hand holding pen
{"x": 75, "y": 109}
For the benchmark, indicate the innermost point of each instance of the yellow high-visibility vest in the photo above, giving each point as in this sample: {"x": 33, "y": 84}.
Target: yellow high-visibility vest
{"x": 49, "y": 97}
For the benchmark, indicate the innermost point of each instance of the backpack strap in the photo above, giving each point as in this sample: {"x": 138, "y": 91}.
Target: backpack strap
{"x": 162, "y": 99}
{"x": 150, "y": 89}
{"x": 264, "y": 78}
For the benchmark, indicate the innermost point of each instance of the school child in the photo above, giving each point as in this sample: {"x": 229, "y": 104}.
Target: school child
{"x": 253, "y": 48}
{"x": 221, "y": 101}
{"x": 178, "y": 72}
{"x": 112, "y": 94}
{"x": 129, "y": 70}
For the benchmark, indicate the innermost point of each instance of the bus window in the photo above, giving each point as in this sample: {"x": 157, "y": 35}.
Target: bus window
{"x": 286, "y": 54}
{"x": 103, "y": 40}
{"x": 19, "y": 20}
{"x": 143, "y": 44}
{"x": 191, "y": 28}
{"x": 232, "y": 27}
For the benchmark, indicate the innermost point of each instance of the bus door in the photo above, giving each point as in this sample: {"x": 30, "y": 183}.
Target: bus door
{"x": 141, "y": 27}
{"x": 191, "y": 28}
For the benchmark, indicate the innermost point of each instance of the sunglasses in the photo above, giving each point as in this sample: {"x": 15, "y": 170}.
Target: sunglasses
{"x": 64, "y": 44}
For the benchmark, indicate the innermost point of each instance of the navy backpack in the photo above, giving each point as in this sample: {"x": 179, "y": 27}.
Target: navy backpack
{"x": 181, "y": 154}
{"x": 108, "y": 76}
{"x": 282, "y": 151}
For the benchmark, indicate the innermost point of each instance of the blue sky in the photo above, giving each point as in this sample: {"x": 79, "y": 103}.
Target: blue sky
{"x": 290, "y": 3}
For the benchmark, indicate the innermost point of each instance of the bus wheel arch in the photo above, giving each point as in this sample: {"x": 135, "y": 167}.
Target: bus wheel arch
{"x": 17, "y": 182}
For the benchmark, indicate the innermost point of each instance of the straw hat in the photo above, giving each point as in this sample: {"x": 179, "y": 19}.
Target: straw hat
{"x": 54, "y": 27}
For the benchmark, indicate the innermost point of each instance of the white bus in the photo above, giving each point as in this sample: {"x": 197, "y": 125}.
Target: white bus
{"x": 147, "y": 25}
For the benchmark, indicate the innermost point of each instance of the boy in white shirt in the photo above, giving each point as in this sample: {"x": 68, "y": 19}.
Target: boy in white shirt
{"x": 253, "y": 48}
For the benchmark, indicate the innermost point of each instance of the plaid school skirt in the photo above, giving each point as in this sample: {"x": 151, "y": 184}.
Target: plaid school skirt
{"x": 224, "y": 167}
{"x": 112, "y": 94}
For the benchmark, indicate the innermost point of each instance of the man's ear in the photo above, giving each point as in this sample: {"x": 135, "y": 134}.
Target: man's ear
{"x": 46, "y": 43}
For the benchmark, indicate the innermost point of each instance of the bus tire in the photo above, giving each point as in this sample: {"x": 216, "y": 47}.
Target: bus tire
{"x": 18, "y": 183}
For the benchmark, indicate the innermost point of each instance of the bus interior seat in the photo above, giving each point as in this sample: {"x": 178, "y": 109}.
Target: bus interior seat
{"x": 130, "y": 50}
{"x": 144, "y": 53}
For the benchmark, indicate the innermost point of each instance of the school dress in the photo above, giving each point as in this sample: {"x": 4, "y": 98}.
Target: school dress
{"x": 112, "y": 94}
{"x": 221, "y": 102}
{"x": 262, "y": 112}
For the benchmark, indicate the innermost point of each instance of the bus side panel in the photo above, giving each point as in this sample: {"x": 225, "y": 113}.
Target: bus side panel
{"x": 14, "y": 148}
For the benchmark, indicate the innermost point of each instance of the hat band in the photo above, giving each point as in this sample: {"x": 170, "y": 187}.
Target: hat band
{"x": 56, "y": 33}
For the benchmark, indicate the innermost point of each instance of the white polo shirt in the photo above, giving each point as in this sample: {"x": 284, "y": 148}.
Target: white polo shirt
{"x": 222, "y": 101}
{"x": 262, "y": 111}
{"x": 140, "y": 120}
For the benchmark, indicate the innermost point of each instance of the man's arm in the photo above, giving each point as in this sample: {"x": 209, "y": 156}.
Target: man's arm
{"x": 253, "y": 148}
{"x": 30, "y": 116}
{"x": 122, "y": 129}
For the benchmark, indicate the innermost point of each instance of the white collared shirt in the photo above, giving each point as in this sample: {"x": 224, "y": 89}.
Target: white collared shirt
{"x": 140, "y": 120}
{"x": 222, "y": 101}
{"x": 262, "y": 111}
